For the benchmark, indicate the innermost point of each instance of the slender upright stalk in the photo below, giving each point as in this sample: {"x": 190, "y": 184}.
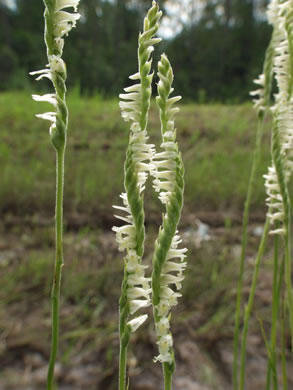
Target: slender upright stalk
{"x": 55, "y": 295}
{"x": 122, "y": 368}
{"x": 261, "y": 104}
{"x": 248, "y": 308}
{"x": 283, "y": 342}
{"x": 57, "y": 24}
{"x": 167, "y": 377}
{"x": 272, "y": 364}
{"x": 288, "y": 280}
{"x": 255, "y": 162}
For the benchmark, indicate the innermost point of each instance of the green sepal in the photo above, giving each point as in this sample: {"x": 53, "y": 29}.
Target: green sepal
{"x": 58, "y": 138}
{"x": 170, "y": 367}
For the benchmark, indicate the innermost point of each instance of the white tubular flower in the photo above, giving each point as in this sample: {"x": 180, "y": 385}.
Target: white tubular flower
{"x": 259, "y": 94}
{"x": 50, "y": 98}
{"x": 274, "y": 201}
{"x": 42, "y": 73}
{"x": 136, "y": 322}
{"x": 165, "y": 344}
{"x": 163, "y": 327}
{"x": 65, "y": 21}
{"x": 57, "y": 65}
{"x": 48, "y": 116}
{"x": 126, "y": 237}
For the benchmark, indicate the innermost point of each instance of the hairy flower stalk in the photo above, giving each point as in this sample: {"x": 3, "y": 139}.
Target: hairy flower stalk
{"x": 57, "y": 24}
{"x": 168, "y": 260}
{"x": 135, "y": 104}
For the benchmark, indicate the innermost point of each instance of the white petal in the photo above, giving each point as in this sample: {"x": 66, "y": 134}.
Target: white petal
{"x": 163, "y": 307}
{"x": 138, "y": 292}
{"x": 136, "y": 322}
{"x": 138, "y": 304}
{"x": 50, "y": 98}
{"x": 60, "y": 4}
{"x": 57, "y": 64}
{"x": 49, "y": 116}
{"x": 62, "y": 16}
{"x": 162, "y": 327}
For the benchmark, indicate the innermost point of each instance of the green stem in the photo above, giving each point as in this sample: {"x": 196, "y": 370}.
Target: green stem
{"x": 272, "y": 364}
{"x": 55, "y": 295}
{"x": 249, "y": 306}
{"x": 122, "y": 367}
{"x": 289, "y": 296}
{"x": 283, "y": 337}
{"x": 253, "y": 173}
{"x": 167, "y": 377}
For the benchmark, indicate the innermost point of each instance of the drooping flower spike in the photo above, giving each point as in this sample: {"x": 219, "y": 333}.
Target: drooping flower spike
{"x": 57, "y": 24}
{"x": 168, "y": 261}
{"x": 135, "y": 104}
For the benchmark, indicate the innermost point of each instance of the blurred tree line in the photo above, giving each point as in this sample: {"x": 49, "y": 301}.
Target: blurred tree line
{"x": 217, "y": 51}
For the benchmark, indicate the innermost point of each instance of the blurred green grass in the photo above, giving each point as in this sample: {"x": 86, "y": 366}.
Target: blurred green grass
{"x": 216, "y": 141}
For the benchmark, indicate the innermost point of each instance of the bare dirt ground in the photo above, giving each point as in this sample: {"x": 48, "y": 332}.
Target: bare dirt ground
{"x": 202, "y": 323}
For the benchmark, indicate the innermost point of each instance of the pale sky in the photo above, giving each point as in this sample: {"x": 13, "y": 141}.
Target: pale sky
{"x": 10, "y": 3}
{"x": 180, "y": 12}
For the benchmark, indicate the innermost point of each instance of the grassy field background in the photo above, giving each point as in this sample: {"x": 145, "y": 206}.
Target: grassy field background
{"x": 217, "y": 143}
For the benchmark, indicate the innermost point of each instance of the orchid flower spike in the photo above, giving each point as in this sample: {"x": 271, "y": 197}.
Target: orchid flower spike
{"x": 135, "y": 105}
{"x": 278, "y": 176}
{"x": 169, "y": 260}
{"x": 58, "y": 24}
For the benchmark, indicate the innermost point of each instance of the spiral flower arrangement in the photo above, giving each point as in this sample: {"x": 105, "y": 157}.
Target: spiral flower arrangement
{"x": 167, "y": 171}
{"x": 58, "y": 24}
{"x": 280, "y": 16}
{"x": 168, "y": 261}
{"x": 135, "y": 105}
{"x": 280, "y": 172}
